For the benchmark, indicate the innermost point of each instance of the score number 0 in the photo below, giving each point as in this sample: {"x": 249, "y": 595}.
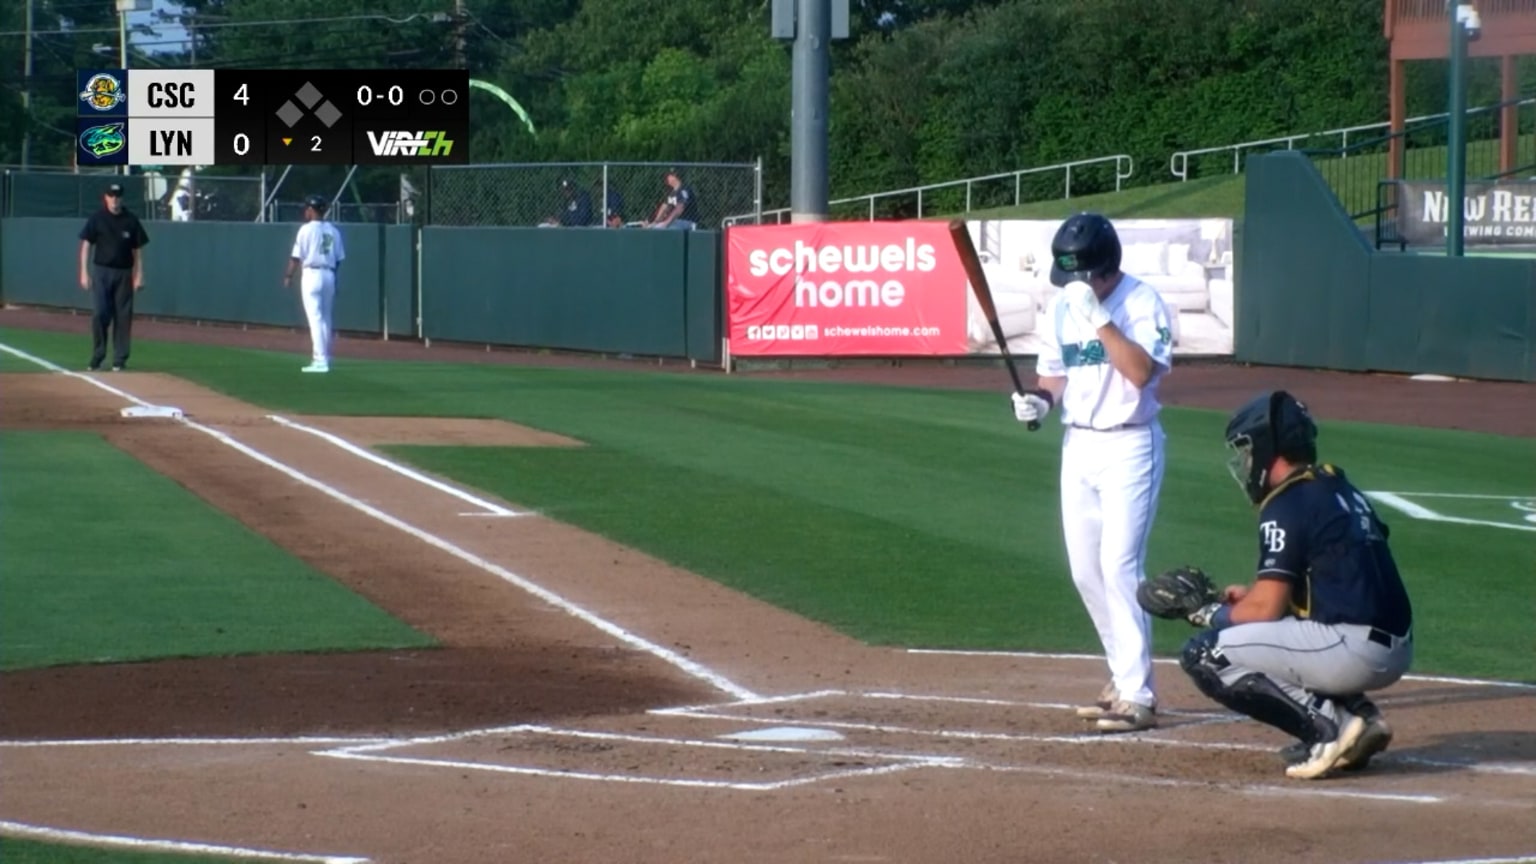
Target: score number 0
{"x": 242, "y": 141}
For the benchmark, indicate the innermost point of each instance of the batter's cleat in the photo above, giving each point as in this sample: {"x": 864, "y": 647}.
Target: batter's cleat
{"x": 1126, "y": 716}
{"x": 1373, "y": 740}
{"x": 316, "y": 367}
{"x": 1324, "y": 757}
{"x": 1106, "y": 701}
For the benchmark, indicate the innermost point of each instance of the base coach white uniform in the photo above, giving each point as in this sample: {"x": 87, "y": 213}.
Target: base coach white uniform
{"x": 1108, "y": 342}
{"x": 318, "y": 250}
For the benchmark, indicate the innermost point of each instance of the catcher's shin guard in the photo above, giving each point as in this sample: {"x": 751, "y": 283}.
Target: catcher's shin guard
{"x": 1252, "y": 695}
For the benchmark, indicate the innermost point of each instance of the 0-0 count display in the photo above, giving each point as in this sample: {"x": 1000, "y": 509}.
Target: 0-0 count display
{"x": 395, "y": 95}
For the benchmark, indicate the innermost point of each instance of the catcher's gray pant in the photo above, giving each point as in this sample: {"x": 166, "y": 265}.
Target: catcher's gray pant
{"x": 1309, "y": 660}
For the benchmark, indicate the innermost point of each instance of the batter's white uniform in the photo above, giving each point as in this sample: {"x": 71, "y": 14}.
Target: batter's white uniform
{"x": 1111, "y": 470}
{"x": 319, "y": 250}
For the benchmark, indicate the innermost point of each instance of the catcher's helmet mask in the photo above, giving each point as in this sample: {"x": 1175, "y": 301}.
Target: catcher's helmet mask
{"x": 1085, "y": 245}
{"x": 1268, "y": 426}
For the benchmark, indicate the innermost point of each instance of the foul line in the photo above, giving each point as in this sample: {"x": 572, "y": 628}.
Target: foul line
{"x": 1519, "y": 859}
{"x": 1168, "y": 661}
{"x": 21, "y": 829}
{"x": 490, "y": 508}
{"x": 1417, "y": 511}
{"x": 695, "y": 669}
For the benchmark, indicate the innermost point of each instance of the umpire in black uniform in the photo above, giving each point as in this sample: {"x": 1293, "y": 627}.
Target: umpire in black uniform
{"x": 112, "y": 269}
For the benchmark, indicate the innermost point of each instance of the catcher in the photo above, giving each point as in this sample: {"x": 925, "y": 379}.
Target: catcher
{"x": 1327, "y": 617}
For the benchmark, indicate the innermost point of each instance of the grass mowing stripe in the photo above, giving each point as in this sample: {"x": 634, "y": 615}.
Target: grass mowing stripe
{"x": 833, "y": 564}
{"x": 107, "y": 560}
{"x": 935, "y": 474}
{"x": 15, "y": 851}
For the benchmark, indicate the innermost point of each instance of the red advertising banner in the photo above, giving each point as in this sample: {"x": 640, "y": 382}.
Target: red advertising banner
{"x": 845, "y": 288}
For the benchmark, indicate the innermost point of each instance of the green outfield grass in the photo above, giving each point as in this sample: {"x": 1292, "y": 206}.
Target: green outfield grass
{"x": 905, "y": 516}
{"x": 14, "y": 851}
{"x": 107, "y": 560}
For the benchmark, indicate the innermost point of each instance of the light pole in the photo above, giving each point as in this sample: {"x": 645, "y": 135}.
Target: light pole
{"x": 26, "y": 91}
{"x": 1465, "y": 26}
{"x": 123, "y": 8}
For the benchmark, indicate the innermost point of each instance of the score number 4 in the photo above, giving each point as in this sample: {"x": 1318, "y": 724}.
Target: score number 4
{"x": 242, "y": 141}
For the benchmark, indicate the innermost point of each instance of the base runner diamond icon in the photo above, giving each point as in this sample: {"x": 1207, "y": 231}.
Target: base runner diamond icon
{"x": 291, "y": 114}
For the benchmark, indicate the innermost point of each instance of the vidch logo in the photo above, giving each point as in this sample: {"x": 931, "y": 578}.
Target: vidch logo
{"x": 420, "y": 144}
{"x": 103, "y": 141}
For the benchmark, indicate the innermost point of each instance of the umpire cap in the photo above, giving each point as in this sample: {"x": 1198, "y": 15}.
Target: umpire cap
{"x": 1085, "y": 245}
{"x": 318, "y": 202}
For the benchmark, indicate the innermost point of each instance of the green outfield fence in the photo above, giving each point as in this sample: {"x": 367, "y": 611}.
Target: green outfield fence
{"x": 470, "y": 267}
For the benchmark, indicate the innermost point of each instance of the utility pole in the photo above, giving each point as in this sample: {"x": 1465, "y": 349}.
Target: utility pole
{"x": 1465, "y": 26}
{"x": 812, "y": 25}
{"x": 26, "y": 92}
{"x": 460, "y": 16}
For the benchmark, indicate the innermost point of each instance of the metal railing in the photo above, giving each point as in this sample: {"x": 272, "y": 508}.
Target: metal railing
{"x": 1355, "y": 179}
{"x": 1178, "y": 163}
{"x": 984, "y": 192}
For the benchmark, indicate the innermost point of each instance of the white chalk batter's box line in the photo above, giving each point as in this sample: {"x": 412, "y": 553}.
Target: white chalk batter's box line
{"x": 1156, "y": 737}
{"x": 892, "y": 761}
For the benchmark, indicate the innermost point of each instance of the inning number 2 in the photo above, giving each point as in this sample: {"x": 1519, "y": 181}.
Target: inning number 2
{"x": 314, "y": 141}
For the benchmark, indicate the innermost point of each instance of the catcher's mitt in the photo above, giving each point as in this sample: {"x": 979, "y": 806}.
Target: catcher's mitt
{"x": 1176, "y": 594}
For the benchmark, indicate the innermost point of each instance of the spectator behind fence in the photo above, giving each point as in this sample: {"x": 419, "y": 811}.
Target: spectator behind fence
{"x": 112, "y": 269}
{"x": 577, "y": 209}
{"x": 679, "y": 209}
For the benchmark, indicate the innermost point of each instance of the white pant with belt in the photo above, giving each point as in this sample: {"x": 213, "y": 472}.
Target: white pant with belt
{"x": 318, "y": 288}
{"x": 1110, "y": 482}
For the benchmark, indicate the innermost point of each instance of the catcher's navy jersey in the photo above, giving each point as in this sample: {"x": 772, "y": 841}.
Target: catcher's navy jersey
{"x": 1318, "y": 532}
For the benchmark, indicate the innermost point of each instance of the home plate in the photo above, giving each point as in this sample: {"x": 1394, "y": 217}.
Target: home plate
{"x": 152, "y": 411}
{"x": 784, "y": 733}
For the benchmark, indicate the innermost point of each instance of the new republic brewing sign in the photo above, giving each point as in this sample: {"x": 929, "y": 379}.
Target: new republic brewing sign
{"x": 1496, "y": 213}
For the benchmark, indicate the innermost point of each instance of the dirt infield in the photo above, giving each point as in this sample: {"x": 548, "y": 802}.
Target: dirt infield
{"x": 591, "y": 703}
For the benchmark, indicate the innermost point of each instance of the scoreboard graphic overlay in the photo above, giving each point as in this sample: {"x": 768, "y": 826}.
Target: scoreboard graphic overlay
{"x": 272, "y": 117}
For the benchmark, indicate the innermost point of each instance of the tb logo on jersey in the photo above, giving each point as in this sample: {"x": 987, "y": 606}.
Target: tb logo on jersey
{"x": 1274, "y": 536}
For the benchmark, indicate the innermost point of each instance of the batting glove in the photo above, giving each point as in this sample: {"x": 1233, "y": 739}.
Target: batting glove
{"x": 1031, "y": 406}
{"x": 1085, "y": 304}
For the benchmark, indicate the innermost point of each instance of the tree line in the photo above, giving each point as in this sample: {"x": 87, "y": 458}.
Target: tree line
{"x": 922, "y": 92}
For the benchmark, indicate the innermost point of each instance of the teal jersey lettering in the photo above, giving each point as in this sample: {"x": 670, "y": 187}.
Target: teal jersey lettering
{"x": 1089, "y": 353}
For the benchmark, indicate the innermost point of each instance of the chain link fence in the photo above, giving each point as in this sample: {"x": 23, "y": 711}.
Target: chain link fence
{"x": 178, "y": 196}
{"x": 574, "y": 194}
{"x": 387, "y": 212}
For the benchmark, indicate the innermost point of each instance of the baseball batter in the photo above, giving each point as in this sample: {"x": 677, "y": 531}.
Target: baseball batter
{"x": 318, "y": 251}
{"x": 1107, "y": 345}
{"x": 1327, "y": 618}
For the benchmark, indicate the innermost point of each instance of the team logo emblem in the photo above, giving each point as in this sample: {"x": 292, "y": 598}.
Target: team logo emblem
{"x": 103, "y": 92}
{"x": 102, "y": 141}
{"x": 1164, "y": 335}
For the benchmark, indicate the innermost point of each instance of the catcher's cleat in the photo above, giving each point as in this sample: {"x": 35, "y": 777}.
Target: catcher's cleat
{"x": 1324, "y": 757}
{"x": 1373, "y": 740}
{"x": 1098, "y": 709}
{"x": 1126, "y": 716}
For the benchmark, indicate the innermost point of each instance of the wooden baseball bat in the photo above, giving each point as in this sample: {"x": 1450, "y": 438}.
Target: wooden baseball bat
{"x": 972, "y": 262}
